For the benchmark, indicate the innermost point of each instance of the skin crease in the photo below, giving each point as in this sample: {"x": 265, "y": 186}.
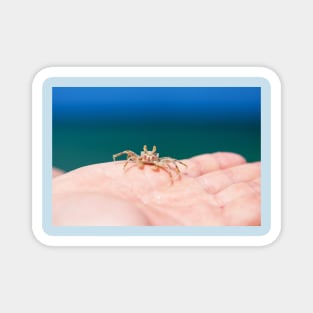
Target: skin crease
{"x": 215, "y": 189}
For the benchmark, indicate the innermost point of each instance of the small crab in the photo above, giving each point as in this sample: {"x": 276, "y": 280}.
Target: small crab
{"x": 151, "y": 158}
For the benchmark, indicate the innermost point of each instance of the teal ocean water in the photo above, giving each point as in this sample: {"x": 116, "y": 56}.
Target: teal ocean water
{"x": 76, "y": 145}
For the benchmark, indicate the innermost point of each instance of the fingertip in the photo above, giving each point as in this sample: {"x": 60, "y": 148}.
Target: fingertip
{"x": 210, "y": 162}
{"x": 56, "y": 172}
{"x": 227, "y": 159}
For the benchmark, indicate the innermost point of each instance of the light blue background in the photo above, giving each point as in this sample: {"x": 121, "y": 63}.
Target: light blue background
{"x": 156, "y": 230}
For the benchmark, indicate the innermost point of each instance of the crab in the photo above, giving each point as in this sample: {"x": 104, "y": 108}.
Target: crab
{"x": 152, "y": 158}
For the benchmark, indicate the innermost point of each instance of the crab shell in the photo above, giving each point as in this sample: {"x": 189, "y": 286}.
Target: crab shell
{"x": 149, "y": 156}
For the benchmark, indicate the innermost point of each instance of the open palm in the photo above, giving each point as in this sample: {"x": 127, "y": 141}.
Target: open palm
{"x": 215, "y": 189}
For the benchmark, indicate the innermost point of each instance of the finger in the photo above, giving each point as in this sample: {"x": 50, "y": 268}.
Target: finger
{"x": 244, "y": 211}
{"x": 207, "y": 163}
{"x": 219, "y": 180}
{"x": 56, "y": 172}
{"x": 237, "y": 190}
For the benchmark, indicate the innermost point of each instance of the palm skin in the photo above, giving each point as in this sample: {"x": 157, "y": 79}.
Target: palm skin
{"x": 215, "y": 189}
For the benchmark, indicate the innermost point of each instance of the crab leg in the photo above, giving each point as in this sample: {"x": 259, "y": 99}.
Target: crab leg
{"x": 167, "y": 160}
{"x": 130, "y": 154}
{"x": 139, "y": 163}
{"x": 166, "y": 169}
{"x": 177, "y": 169}
{"x": 128, "y": 160}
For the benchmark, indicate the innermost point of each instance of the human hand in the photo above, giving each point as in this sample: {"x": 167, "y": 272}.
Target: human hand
{"x": 215, "y": 189}
{"x": 56, "y": 172}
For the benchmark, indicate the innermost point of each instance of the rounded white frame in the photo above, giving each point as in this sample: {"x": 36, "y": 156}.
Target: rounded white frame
{"x": 37, "y": 162}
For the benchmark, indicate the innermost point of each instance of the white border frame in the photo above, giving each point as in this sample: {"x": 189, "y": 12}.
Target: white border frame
{"x": 37, "y": 162}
